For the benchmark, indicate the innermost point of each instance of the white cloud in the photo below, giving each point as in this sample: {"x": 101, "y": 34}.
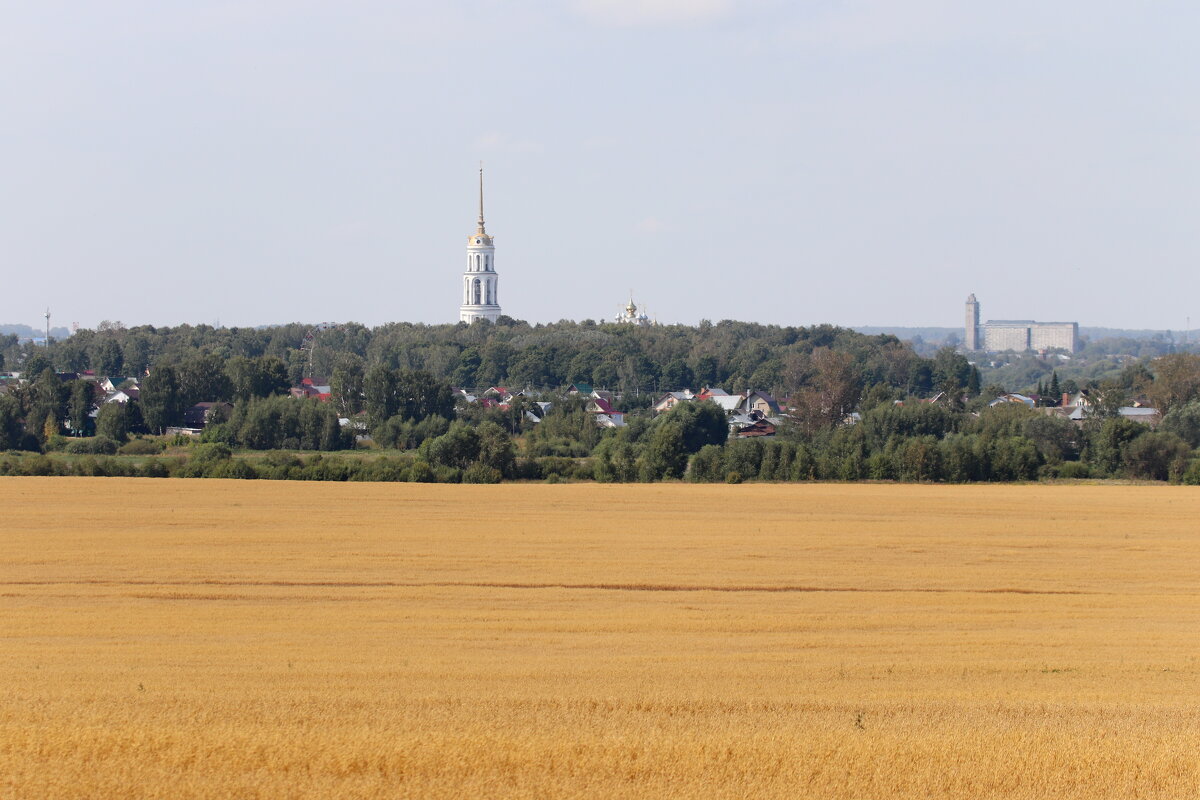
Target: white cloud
{"x": 633, "y": 13}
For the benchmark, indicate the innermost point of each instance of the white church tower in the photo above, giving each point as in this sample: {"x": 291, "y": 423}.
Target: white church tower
{"x": 480, "y": 281}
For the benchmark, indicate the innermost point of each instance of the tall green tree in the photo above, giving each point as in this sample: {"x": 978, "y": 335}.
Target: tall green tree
{"x": 80, "y": 399}
{"x": 112, "y": 421}
{"x": 1176, "y": 381}
{"x": 202, "y": 379}
{"x": 421, "y": 395}
{"x": 1184, "y": 421}
{"x": 48, "y": 400}
{"x": 346, "y": 384}
{"x": 458, "y": 447}
{"x": 381, "y": 398}
{"x": 161, "y": 402}
{"x": 36, "y": 362}
{"x": 106, "y": 356}
{"x": 496, "y": 448}
{"x": 11, "y": 430}
{"x": 665, "y": 455}
{"x": 263, "y": 376}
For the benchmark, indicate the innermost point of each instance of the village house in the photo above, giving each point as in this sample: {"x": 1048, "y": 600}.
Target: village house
{"x": 671, "y": 399}
{"x": 1012, "y": 398}
{"x": 760, "y": 427}
{"x": 317, "y": 388}
{"x": 110, "y": 383}
{"x": 201, "y": 414}
{"x": 1077, "y": 408}
{"x": 761, "y": 402}
{"x": 605, "y": 415}
{"x": 122, "y": 396}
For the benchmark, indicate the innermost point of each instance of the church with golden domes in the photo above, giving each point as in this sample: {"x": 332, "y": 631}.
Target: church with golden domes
{"x": 629, "y": 315}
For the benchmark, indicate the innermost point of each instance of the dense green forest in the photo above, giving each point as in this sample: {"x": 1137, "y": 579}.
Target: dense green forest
{"x": 623, "y": 358}
{"x": 858, "y": 406}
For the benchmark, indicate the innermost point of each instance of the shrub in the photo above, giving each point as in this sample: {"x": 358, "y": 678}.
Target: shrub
{"x": 55, "y": 443}
{"x": 1069, "y": 470}
{"x": 327, "y": 468}
{"x": 38, "y": 465}
{"x": 705, "y": 465}
{"x": 481, "y": 473}
{"x": 103, "y": 467}
{"x": 529, "y": 469}
{"x": 154, "y": 468}
{"x": 585, "y": 470}
{"x": 142, "y": 447}
{"x": 421, "y": 472}
{"x": 211, "y": 452}
{"x": 232, "y": 468}
{"x": 1157, "y": 456}
{"x": 447, "y": 474}
{"x": 733, "y": 477}
{"x": 113, "y": 421}
{"x": 554, "y": 465}
{"x": 96, "y": 445}
{"x": 1184, "y": 422}
{"x": 388, "y": 470}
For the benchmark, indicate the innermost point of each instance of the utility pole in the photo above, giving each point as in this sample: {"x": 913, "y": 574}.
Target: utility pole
{"x": 47, "y": 315}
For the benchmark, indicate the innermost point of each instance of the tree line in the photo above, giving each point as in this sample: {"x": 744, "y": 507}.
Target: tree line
{"x": 860, "y": 407}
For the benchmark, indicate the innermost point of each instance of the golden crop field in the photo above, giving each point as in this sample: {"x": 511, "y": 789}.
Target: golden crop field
{"x": 217, "y": 639}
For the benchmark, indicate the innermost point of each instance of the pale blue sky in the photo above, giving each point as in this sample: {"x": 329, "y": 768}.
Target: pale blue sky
{"x": 861, "y": 163}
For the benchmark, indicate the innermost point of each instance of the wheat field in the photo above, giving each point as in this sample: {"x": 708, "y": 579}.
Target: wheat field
{"x": 214, "y": 639}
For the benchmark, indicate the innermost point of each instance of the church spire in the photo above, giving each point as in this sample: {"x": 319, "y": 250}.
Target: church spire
{"x": 480, "y": 281}
{"x": 480, "y": 229}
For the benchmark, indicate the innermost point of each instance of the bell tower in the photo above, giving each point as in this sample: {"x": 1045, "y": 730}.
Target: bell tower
{"x": 480, "y": 281}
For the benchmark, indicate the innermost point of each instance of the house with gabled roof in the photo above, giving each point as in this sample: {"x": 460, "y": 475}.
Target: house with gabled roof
{"x": 759, "y": 427}
{"x": 308, "y": 390}
{"x": 598, "y": 405}
{"x": 709, "y": 392}
{"x": 201, "y": 414}
{"x": 110, "y": 383}
{"x": 1011, "y": 398}
{"x": 761, "y": 402}
{"x": 729, "y": 403}
{"x": 129, "y": 394}
{"x": 605, "y": 415}
{"x": 671, "y": 399}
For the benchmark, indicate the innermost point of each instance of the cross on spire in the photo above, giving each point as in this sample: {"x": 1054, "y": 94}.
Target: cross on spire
{"x": 480, "y": 222}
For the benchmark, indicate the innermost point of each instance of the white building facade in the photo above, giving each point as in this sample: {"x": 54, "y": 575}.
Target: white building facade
{"x": 1019, "y": 335}
{"x": 480, "y": 284}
